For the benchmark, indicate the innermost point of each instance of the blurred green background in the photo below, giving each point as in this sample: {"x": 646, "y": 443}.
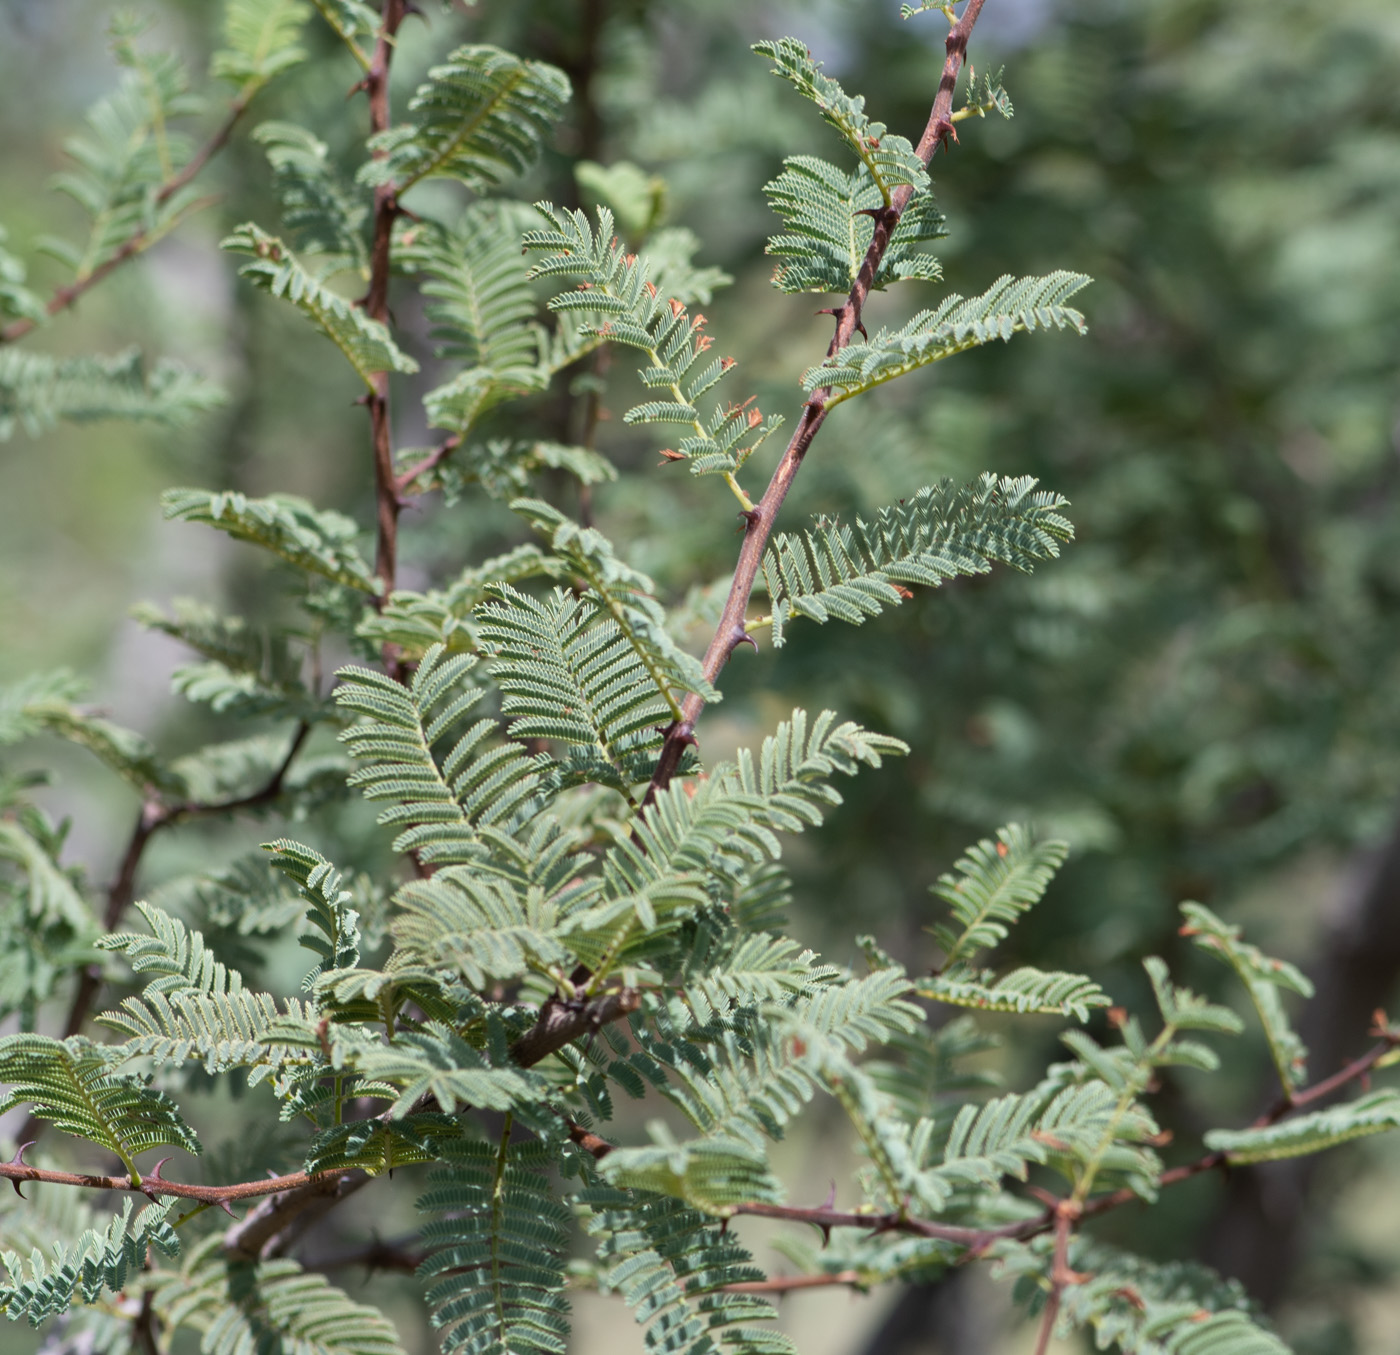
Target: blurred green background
{"x": 1202, "y": 696}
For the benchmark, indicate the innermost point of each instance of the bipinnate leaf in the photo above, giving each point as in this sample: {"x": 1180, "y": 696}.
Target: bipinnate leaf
{"x": 67, "y": 1082}
{"x": 849, "y": 573}
{"x": 1312, "y": 1132}
{"x": 1009, "y": 306}
{"x": 365, "y": 343}
{"x": 481, "y": 117}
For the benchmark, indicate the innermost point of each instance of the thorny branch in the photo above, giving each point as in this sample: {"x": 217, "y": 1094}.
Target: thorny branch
{"x": 386, "y": 211}
{"x": 301, "y": 1194}
{"x": 1061, "y": 1276}
{"x": 135, "y": 244}
{"x": 731, "y": 631}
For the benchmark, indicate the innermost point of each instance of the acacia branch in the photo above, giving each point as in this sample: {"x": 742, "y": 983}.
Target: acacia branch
{"x": 430, "y": 462}
{"x": 386, "y": 212}
{"x": 141, "y": 240}
{"x": 1061, "y": 1276}
{"x": 154, "y": 1185}
{"x": 758, "y": 522}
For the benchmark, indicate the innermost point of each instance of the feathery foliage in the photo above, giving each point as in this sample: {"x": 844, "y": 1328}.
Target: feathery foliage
{"x": 481, "y": 118}
{"x": 366, "y": 344}
{"x": 997, "y": 883}
{"x": 625, "y": 595}
{"x": 670, "y": 1264}
{"x": 36, "y": 391}
{"x": 886, "y": 157}
{"x": 1009, "y": 306}
{"x": 1311, "y": 1133}
{"x": 314, "y": 540}
{"x": 261, "y": 40}
{"x": 321, "y": 213}
{"x": 239, "y": 1305}
{"x": 849, "y": 573}
{"x": 101, "y": 1261}
{"x": 1263, "y": 978}
{"x": 495, "y": 1265}
{"x": 576, "y": 906}
{"x": 828, "y": 228}
{"x": 67, "y": 1083}
{"x": 441, "y": 799}
{"x": 617, "y": 300}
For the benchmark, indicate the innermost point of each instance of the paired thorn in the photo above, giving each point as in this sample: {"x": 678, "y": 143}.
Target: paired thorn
{"x": 18, "y": 1161}
{"x": 752, "y": 516}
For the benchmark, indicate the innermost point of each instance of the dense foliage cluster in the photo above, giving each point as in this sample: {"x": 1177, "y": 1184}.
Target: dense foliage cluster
{"x": 571, "y": 907}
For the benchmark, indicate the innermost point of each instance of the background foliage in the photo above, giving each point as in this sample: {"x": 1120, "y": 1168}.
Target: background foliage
{"x": 1198, "y": 697}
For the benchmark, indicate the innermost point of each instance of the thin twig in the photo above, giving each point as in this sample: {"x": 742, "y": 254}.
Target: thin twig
{"x": 155, "y": 1186}
{"x": 134, "y": 244}
{"x": 976, "y": 1239}
{"x": 386, "y": 212}
{"x": 430, "y": 462}
{"x": 731, "y": 631}
{"x": 1061, "y": 1276}
{"x": 785, "y": 1284}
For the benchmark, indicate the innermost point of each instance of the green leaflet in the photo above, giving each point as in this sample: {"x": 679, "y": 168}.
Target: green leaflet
{"x": 850, "y": 573}
{"x": 1139, "y": 1306}
{"x": 365, "y": 343}
{"x": 625, "y": 595}
{"x": 37, "y": 390}
{"x": 827, "y": 229}
{"x": 67, "y": 1083}
{"x": 98, "y": 1262}
{"x": 1023, "y": 990}
{"x": 711, "y": 1174}
{"x": 1310, "y": 1133}
{"x": 481, "y": 117}
{"x": 671, "y": 1264}
{"x": 247, "y": 670}
{"x": 261, "y": 40}
{"x": 889, "y": 159}
{"x": 997, "y": 882}
{"x": 318, "y": 883}
{"x": 1264, "y": 979}
{"x": 446, "y": 783}
{"x": 242, "y": 1306}
{"x": 618, "y": 298}
{"x": 321, "y": 214}
{"x": 314, "y": 540}
{"x": 130, "y": 147}
{"x": 569, "y": 673}
{"x": 1009, "y": 306}
{"x": 497, "y": 1249}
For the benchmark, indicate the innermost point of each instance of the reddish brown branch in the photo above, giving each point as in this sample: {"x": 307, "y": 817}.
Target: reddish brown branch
{"x": 975, "y": 1239}
{"x": 65, "y": 296}
{"x": 1061, "y": 1276}
{"x": 430, "y": 462}
{"x": 562, "y": 1022}
{"x": 731, "y": 631}
{"x": 156, "y": 1186}
{"x": 386, "y": 211}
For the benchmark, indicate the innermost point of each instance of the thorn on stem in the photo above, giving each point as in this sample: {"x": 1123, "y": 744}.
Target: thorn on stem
{"x": 739, "y": 636}
{"x": 752, "y": 516}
